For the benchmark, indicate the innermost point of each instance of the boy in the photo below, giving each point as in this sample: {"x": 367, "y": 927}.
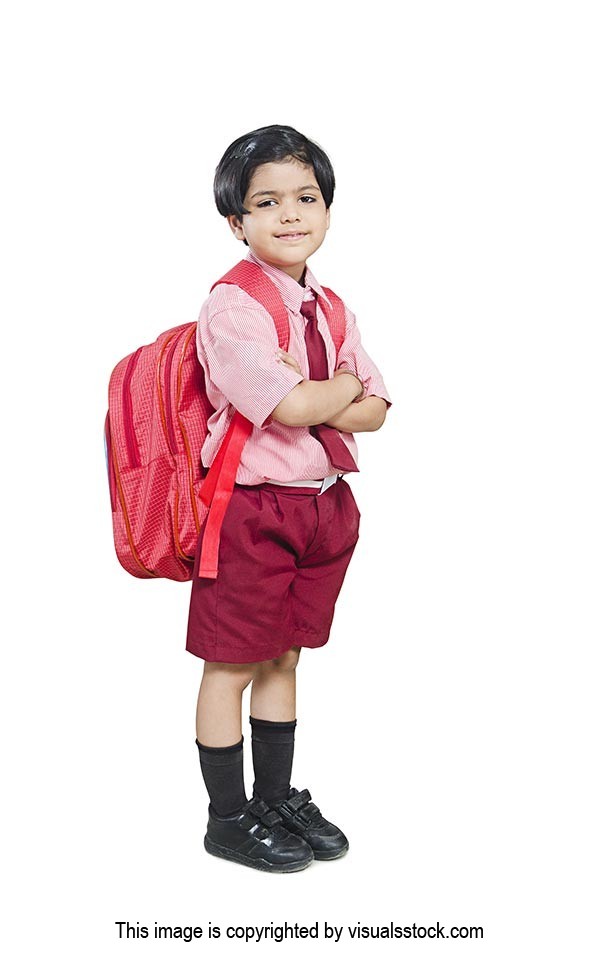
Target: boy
{"x": 292, "y": 522}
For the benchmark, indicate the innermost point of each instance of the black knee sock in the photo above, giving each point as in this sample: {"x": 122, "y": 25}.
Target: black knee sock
{"x": 272, "y": 753}
{"x": 223, "y": 774}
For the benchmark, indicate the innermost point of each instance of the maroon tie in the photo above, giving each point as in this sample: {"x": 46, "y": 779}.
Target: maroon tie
{"x": 330, "y": 438}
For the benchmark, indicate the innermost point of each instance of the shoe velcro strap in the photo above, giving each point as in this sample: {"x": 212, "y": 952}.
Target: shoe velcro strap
{"x": 296, "y": 802}
{"x": 266, "y": 816}
{"x": 271, "y": 819}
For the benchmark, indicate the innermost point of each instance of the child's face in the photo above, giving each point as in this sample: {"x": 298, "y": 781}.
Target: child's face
{"x": 287, "y": 219}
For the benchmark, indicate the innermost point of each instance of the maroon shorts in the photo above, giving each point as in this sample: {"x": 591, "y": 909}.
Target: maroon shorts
{"x": 283, "y": 556}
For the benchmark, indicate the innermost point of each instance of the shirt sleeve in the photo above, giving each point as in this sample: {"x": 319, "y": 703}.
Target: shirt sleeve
{"x": 239, "y": 342}
{"x": 353, "y": 357}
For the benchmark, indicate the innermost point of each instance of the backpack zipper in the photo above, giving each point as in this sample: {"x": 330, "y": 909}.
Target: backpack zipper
{"x": 166, "y": 416}
{"x": 133, "y": 454}
{"x": 115, "y": 487}
{"x": 132, "y": 546}
{"x": 109, "y": 465}
{"x": 186, "y": 442}
{"x": 165, "y": 403}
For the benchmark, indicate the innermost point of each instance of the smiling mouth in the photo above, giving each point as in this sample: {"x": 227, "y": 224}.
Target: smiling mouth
{"x": 296, "y": 235}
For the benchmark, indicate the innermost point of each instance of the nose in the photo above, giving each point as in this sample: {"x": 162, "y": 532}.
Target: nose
{"x": 289, "y": 211}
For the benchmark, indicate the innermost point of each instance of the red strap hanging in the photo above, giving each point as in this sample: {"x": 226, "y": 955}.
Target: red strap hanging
{"x": 217, "y": 490}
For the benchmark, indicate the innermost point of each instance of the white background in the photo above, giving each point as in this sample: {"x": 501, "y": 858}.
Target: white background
{"x": 450, "y": 724}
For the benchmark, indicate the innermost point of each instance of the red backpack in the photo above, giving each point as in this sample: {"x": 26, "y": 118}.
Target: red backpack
{"x": 154, "y": 431}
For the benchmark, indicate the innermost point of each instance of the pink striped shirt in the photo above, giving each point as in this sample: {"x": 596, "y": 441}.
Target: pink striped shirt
{"x": 237, "y": 347}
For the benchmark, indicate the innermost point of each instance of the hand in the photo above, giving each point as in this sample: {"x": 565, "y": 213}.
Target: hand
{"x": 289, "y": 360}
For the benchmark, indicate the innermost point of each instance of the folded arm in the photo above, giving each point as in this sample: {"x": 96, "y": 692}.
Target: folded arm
{"x": 316, "y": 402}
{"x": 366, "y": 415}
{"x": 244, "y": 361}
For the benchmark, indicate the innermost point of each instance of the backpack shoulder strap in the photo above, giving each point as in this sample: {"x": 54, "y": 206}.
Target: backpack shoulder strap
{"x": 218, "y": 484}
{"x": 255, "y": 282}
{"x": 336, "y": 317}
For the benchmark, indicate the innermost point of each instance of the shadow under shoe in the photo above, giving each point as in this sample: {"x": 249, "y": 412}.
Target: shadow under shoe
{"x": 256, "y": 837}
{"x": 301, "y": 815}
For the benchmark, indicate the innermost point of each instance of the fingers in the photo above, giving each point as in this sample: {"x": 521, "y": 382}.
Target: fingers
{"x": 289, "y": 360}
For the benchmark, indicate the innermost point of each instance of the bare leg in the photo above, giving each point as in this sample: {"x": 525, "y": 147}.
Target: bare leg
{"x": 219, "y": 712}
{"x": 273, "y": 696}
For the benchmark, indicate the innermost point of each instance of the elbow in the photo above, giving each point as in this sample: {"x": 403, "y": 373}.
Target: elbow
{"x": 291, "y": 411}
{"x": 379, "y": 417}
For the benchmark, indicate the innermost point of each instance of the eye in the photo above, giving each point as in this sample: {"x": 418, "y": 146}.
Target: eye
{"x": 309, "y": 198}
{"x": 265, "y": 203}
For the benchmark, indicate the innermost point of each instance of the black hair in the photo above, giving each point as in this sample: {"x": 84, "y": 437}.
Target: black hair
{"x": 267, "y": 145}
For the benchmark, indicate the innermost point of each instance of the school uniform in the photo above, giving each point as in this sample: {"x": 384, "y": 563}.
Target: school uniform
{"x": 292, "y": 523}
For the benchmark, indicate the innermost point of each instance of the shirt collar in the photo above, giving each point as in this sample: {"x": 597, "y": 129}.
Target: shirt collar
{"x": 291, "y": 292}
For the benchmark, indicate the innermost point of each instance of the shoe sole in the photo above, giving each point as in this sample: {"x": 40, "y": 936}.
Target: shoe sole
{"x": 259, "y": 863}
{"x": 329, "y": 856}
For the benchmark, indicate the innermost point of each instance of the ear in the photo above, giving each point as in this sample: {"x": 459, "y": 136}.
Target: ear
{"x": 328, "y": 218}
{"x": 236, "y": 226}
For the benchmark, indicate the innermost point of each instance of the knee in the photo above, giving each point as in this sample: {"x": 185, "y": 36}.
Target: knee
{"x": 232, "y": 676}
{"x": 287, "y": 661}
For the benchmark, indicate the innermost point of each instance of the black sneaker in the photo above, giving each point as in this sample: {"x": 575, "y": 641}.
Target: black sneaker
{"x": 256, "y": 837}
{"x": 301, "y": 815}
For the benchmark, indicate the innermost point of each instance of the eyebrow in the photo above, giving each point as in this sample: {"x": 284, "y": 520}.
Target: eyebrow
{"x": 261, "y": 193}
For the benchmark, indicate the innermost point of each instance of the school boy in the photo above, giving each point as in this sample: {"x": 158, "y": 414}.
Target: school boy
{"x": 292, "y": 523}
